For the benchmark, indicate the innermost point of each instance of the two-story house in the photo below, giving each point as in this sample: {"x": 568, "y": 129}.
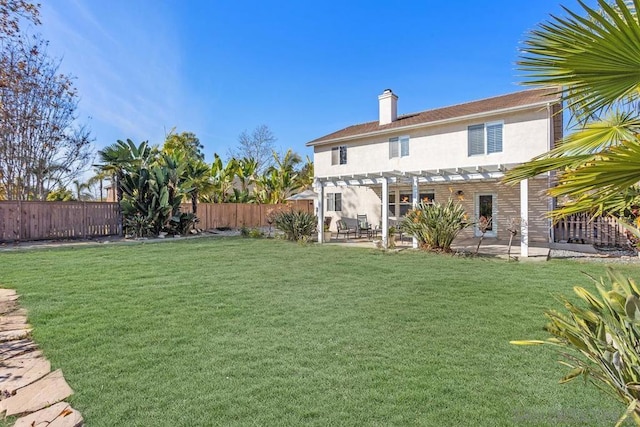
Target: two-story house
{"x": 383, "y": 168}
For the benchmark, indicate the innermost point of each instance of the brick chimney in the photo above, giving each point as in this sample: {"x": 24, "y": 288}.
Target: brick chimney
{"x": 388, "y": 102}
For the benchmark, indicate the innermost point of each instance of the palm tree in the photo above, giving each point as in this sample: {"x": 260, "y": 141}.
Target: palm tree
{"x": 121, "y": 158}
{"x": 281, "y": 180}
{"x": 595, "y": 62}
{"x": 98, "y": 179}
{"x": 81, "y": 193}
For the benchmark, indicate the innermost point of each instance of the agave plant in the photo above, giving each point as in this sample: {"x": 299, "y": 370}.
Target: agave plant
{"x": 435, "y": 225}
{"x": 297, "y": 225}
{"x": 600, "y": 340}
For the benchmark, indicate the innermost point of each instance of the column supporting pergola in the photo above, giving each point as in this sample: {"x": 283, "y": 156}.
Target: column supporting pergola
{"x": 414, "y": 204}
{"x": 385, "y": 212}
{"x": 320, "y": 191}
{"x": 524, "y": 218}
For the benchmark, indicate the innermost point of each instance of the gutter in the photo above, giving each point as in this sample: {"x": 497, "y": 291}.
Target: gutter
{"x": 428, "y": 124}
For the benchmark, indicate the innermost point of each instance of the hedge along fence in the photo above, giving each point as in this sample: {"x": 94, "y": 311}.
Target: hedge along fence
{"x": 23, "y": 221}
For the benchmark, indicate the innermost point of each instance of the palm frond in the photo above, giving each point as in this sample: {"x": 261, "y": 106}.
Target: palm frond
{"x": 583, "y": 146}
{"x": 595, "y": 58}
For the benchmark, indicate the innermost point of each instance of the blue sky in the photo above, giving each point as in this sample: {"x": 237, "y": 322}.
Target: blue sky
{"x": 305, "y": 69}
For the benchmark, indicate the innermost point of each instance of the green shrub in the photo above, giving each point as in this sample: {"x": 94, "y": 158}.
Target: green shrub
{"x": 435, "y": 225}
{"x": 254, "y": 233}
{"x": 137, "y": 226}
{"x": 600, "y": 340}
{"x": 296, "y": 225}
{"x": 182, "y": 223}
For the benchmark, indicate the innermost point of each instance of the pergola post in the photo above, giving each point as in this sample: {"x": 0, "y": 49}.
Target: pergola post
{"x": 385, "y": 212}
{"x": 320, "y": 191}
{"x": 414, "y": 204}
{"x": 524, "y": 218}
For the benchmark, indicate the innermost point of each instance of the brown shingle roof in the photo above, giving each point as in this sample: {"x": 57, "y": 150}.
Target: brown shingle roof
{"x": 487, "y": 105}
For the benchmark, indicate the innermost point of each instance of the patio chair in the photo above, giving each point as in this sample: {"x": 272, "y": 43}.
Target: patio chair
{"x": 343, "y": 228}
{"x": 363, "y": 226}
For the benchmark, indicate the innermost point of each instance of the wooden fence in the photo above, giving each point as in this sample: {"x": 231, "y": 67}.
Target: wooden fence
{"x": 236, "y": 215}
{"x": 581, "y": 228}
{"x": 56, "y": 220}
{"x": 23, "y": 221}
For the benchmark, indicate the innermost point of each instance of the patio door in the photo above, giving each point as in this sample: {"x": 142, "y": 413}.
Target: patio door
{"x": 486, "y": 206}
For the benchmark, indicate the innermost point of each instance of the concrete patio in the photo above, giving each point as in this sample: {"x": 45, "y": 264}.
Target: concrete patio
{"x": 489, "y": 248}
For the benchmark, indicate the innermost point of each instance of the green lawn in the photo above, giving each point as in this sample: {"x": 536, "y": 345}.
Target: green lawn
{"x": 264, "y": 332}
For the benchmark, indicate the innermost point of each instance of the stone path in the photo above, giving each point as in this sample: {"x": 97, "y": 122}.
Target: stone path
{"x": 28, "y": 388}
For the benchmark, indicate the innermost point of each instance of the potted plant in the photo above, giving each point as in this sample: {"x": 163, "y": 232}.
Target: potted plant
{"x": 392, "y": 237}
{"x": 326, "y": 234}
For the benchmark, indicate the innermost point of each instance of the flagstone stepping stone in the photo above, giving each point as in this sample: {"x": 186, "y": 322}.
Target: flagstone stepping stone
{"x": 17, "y": 324}
{"x": 20, "y": 372}
{"x": 40, "y": 394}
{"x": 12, "y": 349}
{"x": 8, "y": 307}
{"x": 5, "y": 293}
{"x": 16, "y": 334}
{"x": 13, "y": 321}
{"x": 59, "y": 415}
{"x": 69, "y": 418}
{"x": 27, "y": 384}
{"x": 17, "y": 312}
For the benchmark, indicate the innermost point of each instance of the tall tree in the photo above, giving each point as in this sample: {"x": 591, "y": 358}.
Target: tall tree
{"x": 81, "y": 190}
{"x": 595, "y": 61}
{"x": 187, "y": 149}
{"x": 40, "y": 141}
{"x": 222, "y": 177}
{"x": 98, "y": 180}
{"x": 12, "y": 12}
{"x": 281, "y": 180}
{"x": 122, "y": 157}
{"x": 257, "y": 145}
{"x": 185, "y": 142}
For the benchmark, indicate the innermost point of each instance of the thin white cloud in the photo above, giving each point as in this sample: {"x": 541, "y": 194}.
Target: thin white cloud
{"x": 127, "y": 69}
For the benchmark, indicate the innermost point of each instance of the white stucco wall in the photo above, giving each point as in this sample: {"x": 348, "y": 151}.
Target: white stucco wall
{"x": 525, "y": 135}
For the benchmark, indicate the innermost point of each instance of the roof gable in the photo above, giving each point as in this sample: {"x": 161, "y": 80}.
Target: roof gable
{"x": 525, "y": 98}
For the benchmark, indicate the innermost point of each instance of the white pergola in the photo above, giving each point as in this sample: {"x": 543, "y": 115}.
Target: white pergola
{"x": 415, "y": 178}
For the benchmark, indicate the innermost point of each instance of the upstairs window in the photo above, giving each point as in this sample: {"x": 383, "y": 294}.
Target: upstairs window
{"x": 485, "y": 138}
{"x": 339, "y": 155}
{"x": 398, "y": 147}
{"x": 476, "y": 140}
{"x": 494, "y": 138}
{"x": 334, "y": 202}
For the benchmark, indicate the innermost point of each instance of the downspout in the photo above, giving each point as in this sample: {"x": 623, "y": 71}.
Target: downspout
{"x": 550, "y": 175}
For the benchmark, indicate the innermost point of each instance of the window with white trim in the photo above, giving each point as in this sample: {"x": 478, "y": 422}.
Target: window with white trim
{"x": 339, "y": 155}
{"x": 398, "y": 147}
{"x": 334, "y": 202}
{"x": 485, "y": 138}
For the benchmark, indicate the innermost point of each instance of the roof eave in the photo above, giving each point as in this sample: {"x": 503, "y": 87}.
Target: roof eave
{"x": 433, "y": 123}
